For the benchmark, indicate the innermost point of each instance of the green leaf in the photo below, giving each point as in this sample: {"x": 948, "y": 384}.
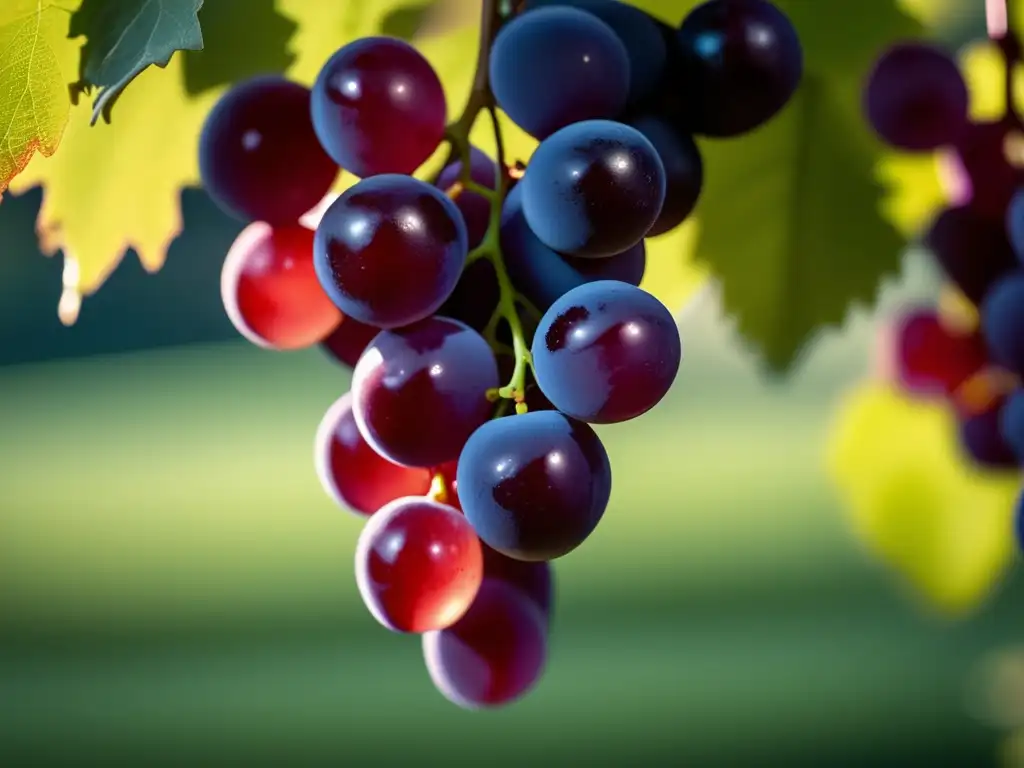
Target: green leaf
{"x": 241, "y": 39}
{"x": 405, "y": 21}
{"x": 791, "y": 217}
{"x": 124, "y": 38}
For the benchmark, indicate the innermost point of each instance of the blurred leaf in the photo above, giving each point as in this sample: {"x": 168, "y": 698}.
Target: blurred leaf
{"x": 231, "y": 53}
{"x": 914, "y": 191}
{"x": 124, "y": 38}
{"x": 915, "y": 503}
{"x": 34, "y": 67}
{"x": 405, "y": 21}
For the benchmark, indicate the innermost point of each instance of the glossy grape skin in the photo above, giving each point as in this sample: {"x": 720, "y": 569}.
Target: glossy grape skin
{"x": 1011, "y": 426}
{"x": 390, "y": 250}
{"x": 984, "y": 177}
{"x": 419, "y": 565}
{"x": 916, "y": 98}
{"x": 533, "y": 579}
{"x": 982, "y": 440}
{"x": 420, "y": 391}
{"x": 378, "y": 107}
{"x": 543, "y": 276}
{"x": 932, "y": 359}
{"x": 355, "y": 476}
{"x": 639, "y": 33}
{"x": 593, "y": 189}
{"x": 972, "y": 249}
{"x": 475, "y": 209}
{"x": 741, "y": 61}
{"x": 475, "y": 296}
{"x": 534, "y": 486}
{"x": 493, "y": 655}
{"x": 1015, "y": 223}
{"x": 555, "y": 66}
{"x": 606, "y": 352}
{"x": 270, "y": 289}
{"x": 259, "y": 158}
{"x": 1002, "y": 322}
{"x": 684, "y": 171}
{"x": 348, "y": 341}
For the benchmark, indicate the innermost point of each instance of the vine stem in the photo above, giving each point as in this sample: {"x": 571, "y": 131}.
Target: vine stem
{"x": 494, "y": 14}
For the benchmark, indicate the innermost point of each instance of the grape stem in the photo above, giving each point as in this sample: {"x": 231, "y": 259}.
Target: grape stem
{"x": 494, "y": 14}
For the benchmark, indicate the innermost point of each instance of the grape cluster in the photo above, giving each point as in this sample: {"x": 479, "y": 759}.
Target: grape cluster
{"x": 492, "y": 314}
{"x": 973, "y": 352}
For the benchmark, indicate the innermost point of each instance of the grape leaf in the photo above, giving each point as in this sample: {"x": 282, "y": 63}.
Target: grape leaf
{"x": 34, "y": 64}
{"x": 124, "y": 37}
{"x": 915, "y": 503}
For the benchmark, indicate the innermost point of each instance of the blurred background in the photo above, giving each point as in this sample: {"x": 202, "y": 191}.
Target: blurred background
{"x": 175, "y": 587}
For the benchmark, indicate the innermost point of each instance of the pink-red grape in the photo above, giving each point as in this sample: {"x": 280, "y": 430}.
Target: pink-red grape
{"x": 931, "y": 358}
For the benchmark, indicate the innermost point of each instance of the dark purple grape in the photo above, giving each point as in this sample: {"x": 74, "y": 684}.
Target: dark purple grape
{"x": 593, "y": 189}
{"x": 378, "y": 107}
{"x": 552, "y": 67}
{"x": 534, "y": 486}
{"x": 1011, "y": 425}
{"x": 543, "y": 276}
{"x": 1015, "y": 223}
{"x": 348, "y": 341}
{"x": 740, "y": 61}
{"x": 420, "y": 391}
{"x": 1018, "y": 522}
{"x": 259, "y": 157}
{"x": 390, "y": 250}
{"x": 533, "y": 579}
{"x": 475, "y": 296}
{"x": 606, "y": 352}
{"x": 984, "y": 174}
{"x": 916, "y": 98}
{"x": 983, "y": 441}
{"x": 1002, "y": 322}
{"x": 491, "y": 656}
{"x": 475, "y": 208}
{"x": 972, "y": 249}
{"x": 684, "y": 171}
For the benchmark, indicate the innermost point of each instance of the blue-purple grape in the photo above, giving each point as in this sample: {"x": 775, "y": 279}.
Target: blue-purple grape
{"x": 972, "y": 249}
{"x": 475, "y": 208}
{"x": 1002, "y": 322}
{"x": 982, "y": 439}
{"x": 684, "y": 170}
{"x": 1011, "y": 424}
{"x": 1015, "y": 223}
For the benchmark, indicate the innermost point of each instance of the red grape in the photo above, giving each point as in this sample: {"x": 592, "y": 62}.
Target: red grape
{"x": 270, "y": 289}
{"x": 932, "y": 358}
{"x": 492, "y": 655}
{"x": 606, "y": 352}
{"x": 390, "y": 250}
{"x": 973, "y": 249}
{"x": 349, "y": 340}
{"x": 534, "y": 486}
{"x": 418, "y": 565}
{"x": 259, "y": 157}
{"x": 378, "y": 107}
{"x": 916, "y": 98}
{"x": 475, "y": 208}
{"x": 352, "y": 473}
{"x": 420, "y": 391}
{"x": 533, "y": 579}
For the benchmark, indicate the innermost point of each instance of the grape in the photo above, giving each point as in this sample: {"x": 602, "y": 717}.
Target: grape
{"x": 982, "y": 168}
{"x": 1018, "y": 520}
{"x": 475, "y": 296}
{"x": 270, "y": 289}
{"x": 533, "y": 579}
{"x": 741, "y": 63}
{"x": 1011, "y": 426}
{"x": 593, "y": 189}
{"x": 352, "y": 473}
{"x": 418, "y": 565}
{"x": 606, "y": 352}
{"x": 684, "y": 171}
{"x": 1015, "y": 223}
{"x": 982, "y": 439}
{"x": 390, "y": 250}
{"x": 348, "y": 341}
{"x": 492, "y": 655}
{"x": 259, "y": 158}
{"x": 639, "y": 33}
{"x": 534, "y": 486}
{"x": 552, "y": 67}
{"x": 1002, "y": 322}
{"x": 542, "y": 275}
{"x": 378, "y": 107}
{"x": 972, "y": 249}
{"x": 915, "y": 98}
{"x": 420, "y": 391}
{"x": 932, "y": 358}
{"x": 475, "y": 208}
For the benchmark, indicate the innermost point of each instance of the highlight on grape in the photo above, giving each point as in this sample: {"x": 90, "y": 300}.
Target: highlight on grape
{"x": 492, "y": 313}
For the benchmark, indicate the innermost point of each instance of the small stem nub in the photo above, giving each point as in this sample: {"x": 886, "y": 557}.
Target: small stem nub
{"x": 438, "y": 489}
